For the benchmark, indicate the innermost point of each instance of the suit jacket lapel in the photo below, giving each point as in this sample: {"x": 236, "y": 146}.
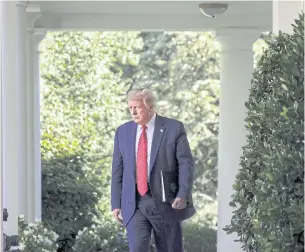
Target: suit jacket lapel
{"x": 132, "y": 140}
{"x": 157, "y": 137}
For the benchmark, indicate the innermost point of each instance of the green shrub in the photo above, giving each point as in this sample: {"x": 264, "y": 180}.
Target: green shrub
{"x": 269, "y": 187}
{"x": 199, "y": 237}
{"x": 69, "y": 198}
{"x": 107, "y": 236}
{"x": 35, "y": 237}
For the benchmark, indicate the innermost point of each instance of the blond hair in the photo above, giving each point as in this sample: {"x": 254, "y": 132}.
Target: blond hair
{"x": 142, "y": 94}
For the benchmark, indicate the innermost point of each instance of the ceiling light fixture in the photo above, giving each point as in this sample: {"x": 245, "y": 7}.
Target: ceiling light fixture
{"x": 212, "y": 9}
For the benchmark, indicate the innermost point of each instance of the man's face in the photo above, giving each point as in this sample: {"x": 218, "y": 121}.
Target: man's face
{"x": 139, "y": 112}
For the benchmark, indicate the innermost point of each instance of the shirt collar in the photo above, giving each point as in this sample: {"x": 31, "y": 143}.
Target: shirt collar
{"x": 150, "y": 124}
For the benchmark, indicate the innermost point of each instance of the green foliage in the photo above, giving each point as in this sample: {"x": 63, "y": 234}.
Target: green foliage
{"x": 269, "y": 187}
{"x": 199, "y": 237}
{"x": 70, "y": 194}
{"x": 105, "y": 236}
{"x": 261, "y": 45}
{"x": 35, "y": 237}
{"x": 83, "y": 92}
{"x": 109, "y": 236}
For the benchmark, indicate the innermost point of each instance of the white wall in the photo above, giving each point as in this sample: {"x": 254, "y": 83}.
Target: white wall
{"x": 284, "y": 14}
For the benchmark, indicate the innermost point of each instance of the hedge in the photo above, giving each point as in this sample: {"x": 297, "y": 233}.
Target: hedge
{"x": 269, "y": 188}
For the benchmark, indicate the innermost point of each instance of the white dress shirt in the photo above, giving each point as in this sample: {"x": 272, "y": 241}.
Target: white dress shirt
{"x": 149, "y": 132}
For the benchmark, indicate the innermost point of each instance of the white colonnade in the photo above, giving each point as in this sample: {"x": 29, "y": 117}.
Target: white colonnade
{"x": 20, "y": 115}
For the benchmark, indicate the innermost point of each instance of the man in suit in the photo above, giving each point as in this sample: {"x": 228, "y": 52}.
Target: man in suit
{"x": 142, "y": 148}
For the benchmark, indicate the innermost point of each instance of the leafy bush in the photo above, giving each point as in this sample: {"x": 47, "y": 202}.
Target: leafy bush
{"x": 106, "y": 236}
{"x": 69, "y": 198}
{"x": 34, "y": 237}
{"x": 269, "y": 188}
{"x": 199, "y": 237}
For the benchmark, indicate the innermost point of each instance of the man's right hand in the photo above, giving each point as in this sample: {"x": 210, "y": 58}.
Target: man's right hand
{"x": 117, "y": 215}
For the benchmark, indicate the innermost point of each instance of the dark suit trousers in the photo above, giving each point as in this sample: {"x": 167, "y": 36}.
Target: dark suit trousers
{"x": 168, "y": 236}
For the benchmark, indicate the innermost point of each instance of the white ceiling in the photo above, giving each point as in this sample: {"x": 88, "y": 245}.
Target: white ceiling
{"x": 174, "y": 15}
{"x": 148, "y": 7}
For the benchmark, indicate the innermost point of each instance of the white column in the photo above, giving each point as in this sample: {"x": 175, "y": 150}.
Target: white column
{"x": 284, "y": 14}
{"x": 33, "y": 116}
{"x": 10, "y": 141}
{"x": 236, "y": 72}
{"x": 22, "y": 105}
{"x": 1, "y": 176}
{"x": 38, "y": 37}
{"x": 33, "y": 130}
{"x": 30, "y": 126}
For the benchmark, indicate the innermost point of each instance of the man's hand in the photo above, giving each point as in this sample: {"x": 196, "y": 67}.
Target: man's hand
{"x": 117, "y": 215}
{"x": 179, "y": 203}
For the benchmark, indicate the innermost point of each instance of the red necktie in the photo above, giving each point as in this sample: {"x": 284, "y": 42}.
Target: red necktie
{"x": 142, "y": 163}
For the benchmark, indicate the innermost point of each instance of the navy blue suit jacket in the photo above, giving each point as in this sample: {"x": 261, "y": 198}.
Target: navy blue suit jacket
{"x": 170, "y": 151}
